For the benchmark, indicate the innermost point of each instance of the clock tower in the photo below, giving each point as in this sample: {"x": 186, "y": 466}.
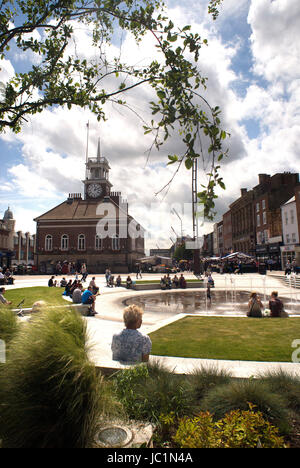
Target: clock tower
{"x": 96, "y": 183}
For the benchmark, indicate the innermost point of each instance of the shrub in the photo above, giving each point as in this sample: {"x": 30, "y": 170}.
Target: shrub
{"x": 204, "y": 378}
{"x": 8, "y": 325}
{"x": 52, "y": 396}
{"x": 157, "y": 368}
{"x": 283, "y": 383}
{"x": 147, "y": 392}
{"x": 198, "y": 432}
{"x": 125, "y": 384}
{"x": 238, "y": 394}
{"x": 238, "y": 429}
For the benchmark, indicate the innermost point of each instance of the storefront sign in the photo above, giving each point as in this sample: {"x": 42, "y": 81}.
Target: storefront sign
{"x": 288, "y": 248}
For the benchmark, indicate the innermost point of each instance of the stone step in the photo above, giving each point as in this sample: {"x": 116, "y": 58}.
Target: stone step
{"x": 293, "y": 282}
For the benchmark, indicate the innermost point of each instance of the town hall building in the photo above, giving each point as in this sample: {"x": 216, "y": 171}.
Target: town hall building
{"x": 95, "y": 229}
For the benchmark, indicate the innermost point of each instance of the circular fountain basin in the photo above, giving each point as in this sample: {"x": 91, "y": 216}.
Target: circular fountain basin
{"x": 224, "y": 303}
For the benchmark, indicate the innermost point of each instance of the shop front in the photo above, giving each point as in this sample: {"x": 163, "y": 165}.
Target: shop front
{"x": 290, "y": 253}
{"x": 262, "y": 253}
{"x": 275, "y": 256}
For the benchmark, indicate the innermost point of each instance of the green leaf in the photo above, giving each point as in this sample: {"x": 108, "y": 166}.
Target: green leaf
{"x": 188, "y": 163}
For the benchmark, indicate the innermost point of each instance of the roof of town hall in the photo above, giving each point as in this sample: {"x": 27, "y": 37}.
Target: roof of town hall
{"x": 75, "y": 209}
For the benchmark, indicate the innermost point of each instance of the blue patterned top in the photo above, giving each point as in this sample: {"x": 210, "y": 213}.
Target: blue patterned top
{"x": 130, "y": 345}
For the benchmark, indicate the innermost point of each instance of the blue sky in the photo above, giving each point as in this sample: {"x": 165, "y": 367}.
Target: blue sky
{"x": 252, "y": 65}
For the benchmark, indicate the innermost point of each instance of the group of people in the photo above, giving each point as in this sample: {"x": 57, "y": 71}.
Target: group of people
{"x": 256, "y": 307}
{"x": 75, "y": 290}
{"x": 79, "y": 295}
{"x": 112, "y": 282}
{"x": 69, "y": 268}
{"x": 291, "y": 267}
{"x": 6, "y": 276}
{"x": 167, "y": 283}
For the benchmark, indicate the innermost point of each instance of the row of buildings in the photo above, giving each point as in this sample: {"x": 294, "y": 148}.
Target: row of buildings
{"x": 263, "y": 222}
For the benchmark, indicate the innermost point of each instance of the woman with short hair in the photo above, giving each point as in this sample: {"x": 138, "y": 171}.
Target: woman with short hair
{"x": 130, "y": 345}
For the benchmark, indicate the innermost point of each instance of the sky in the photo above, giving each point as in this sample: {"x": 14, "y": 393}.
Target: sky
{"x": 253, "y": 71}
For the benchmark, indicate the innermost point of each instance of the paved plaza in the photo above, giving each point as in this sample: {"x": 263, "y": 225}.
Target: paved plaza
{"x": 109, "y": 306}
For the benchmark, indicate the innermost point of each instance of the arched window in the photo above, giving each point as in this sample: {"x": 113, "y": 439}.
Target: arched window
{"x": 115, "y": 242}
{"x": 81, "y": 242}
{"x": 64, "y": 242}
{"x": 48, "y": 242}
{"x": 98, "y": 242}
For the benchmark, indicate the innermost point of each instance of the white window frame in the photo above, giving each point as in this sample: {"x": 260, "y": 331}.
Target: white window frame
{"x": 115, "y": 242}
{"x": 64, "y": 242}
{"x": 48, "y": 242}
{"x": 266, "y": 235}
{"x": 292, "y": 216}
{"x": 264, "y": 217}
{"x": 286, "y": 217}
{"x": 98, "y": 242}
{"x": 81, "y": 242}
{"x": 258, "y": 220}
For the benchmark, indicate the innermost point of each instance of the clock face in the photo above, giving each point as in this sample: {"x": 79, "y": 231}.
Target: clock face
{"x": 94, "y": 190}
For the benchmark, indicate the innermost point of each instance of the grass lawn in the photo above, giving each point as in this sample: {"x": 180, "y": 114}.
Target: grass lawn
{"x": 51, "y": 296}
{"x": 267, "y": 339}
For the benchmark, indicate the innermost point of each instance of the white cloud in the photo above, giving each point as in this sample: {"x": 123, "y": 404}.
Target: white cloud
{"x": 275, "y": 38}
{"x": 6, "y": 70}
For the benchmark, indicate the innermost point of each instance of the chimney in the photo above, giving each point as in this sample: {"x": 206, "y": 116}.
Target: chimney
{"x": 263, "y": 178}
{"x": 243, "y": 192}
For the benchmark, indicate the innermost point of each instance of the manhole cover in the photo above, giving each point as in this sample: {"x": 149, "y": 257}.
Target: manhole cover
{"x": 114, "y": 436}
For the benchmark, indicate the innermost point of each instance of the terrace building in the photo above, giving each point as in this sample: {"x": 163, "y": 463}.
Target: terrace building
{"x": 269, "y": 195}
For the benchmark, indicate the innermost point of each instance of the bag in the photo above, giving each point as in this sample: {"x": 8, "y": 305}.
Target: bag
{"x": 283, "y": 314}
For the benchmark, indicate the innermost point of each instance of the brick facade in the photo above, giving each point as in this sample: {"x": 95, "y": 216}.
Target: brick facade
{"x": 96, "y": 230}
